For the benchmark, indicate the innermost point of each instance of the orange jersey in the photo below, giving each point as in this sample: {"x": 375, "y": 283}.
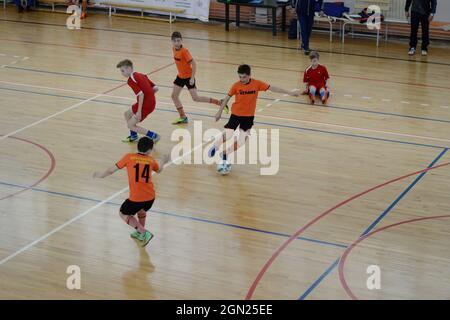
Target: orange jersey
{"x": 183, "y": 61}
{"x": 245, "y": 97}
{"x": 139, "y": 168}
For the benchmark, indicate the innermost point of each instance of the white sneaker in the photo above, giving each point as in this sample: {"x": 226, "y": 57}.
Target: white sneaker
{"x": 424, "y": 52}
{"x": 224, "y": 168}
{"x": 412, "y": 51}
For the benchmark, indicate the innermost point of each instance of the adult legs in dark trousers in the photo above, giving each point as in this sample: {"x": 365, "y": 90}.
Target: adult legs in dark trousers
{"x": 416, "y": 20}
{"x": 306, "y": 25}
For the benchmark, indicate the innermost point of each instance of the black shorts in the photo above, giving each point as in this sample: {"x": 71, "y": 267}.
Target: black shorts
{"x": 244, "y": 123}
{"x": 184, "y": 82}
{"x": 130, "y": 208}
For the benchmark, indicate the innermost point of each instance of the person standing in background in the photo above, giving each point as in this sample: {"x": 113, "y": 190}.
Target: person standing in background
{"x": 422, "y": 12}
{"x": 305, "y": 12}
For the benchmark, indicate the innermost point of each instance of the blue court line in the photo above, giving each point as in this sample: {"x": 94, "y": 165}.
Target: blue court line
{"x": 258, "y": 122}
{"x": 222, "y": 93}
{"x": 67, "y": 195}
{"x": 373, "y": 224}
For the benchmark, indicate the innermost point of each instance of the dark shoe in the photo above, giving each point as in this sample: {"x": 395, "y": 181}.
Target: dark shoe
{"x": 307, "y": 52}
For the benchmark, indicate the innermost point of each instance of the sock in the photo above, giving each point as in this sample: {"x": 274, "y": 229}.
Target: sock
{"x": 133, "y": 134}
{"x": 214, "y": 101}
{"x": 151, "y": 134}
{"x": 224, "y": 156}
{"x": 322, "y": 94}
{"x": 141, "y": 217}
{"x": 131, "y": 221}
{"x": 312, "y": 91}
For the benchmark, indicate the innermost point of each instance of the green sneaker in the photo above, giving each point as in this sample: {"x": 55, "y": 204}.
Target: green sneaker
{"x": 136, "y": 235}
{"x": 130, "y": 139}
{"x": 181, "y": 120}
{"x": 226, "y": 109}
{"x": 146, "y": 237}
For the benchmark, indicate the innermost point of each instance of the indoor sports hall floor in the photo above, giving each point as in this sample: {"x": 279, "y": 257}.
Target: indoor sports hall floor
{"x": 355, "y": 167}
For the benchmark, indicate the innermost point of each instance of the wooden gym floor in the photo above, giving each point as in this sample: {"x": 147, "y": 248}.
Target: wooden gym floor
{"x": 243, "y": 235}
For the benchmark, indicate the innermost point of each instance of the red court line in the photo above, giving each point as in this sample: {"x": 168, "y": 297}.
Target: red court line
{"x": 49, "y": 172}
{"x": 274, "y": 256}
{"x": 52, "y": 158}
{"x": 354, "y": 244}
{"x": 228, "y": 63}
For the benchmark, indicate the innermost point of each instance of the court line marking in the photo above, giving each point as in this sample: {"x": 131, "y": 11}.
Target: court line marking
{"x": 374, "y": 224}
{"x": 257, "y": 122}
{"x": 72, "y": 196}
{"x": 259, "y": 115}
{"x": 361, "y": 239}
{"x": 222, "y": 93}
{"x": 277, "y": 252}
{"x": 84, "y": 213}
{"x": 76, "y": 105}
{"x": 47, "y": 174}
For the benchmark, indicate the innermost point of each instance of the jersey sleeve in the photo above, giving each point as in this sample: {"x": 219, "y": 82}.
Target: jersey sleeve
{"x": 306, "y": 76}
{"x": 326, "y": 76}
{"x": 122, "y": 163}
{"x": 144, "y": 83}
{"x": 233, "y": 90}
{"x": 187, "y": 55}
{"x": 155, "y": 166}
{"x": 262, "y": 86}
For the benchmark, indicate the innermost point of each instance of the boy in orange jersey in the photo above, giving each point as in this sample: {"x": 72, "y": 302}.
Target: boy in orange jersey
{"x": 187, "y": 69}
{"x": 242, "y": 113}
{"x": 140, "y": 167}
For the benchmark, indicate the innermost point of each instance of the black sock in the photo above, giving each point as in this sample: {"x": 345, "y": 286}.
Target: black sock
{"x": 224, "y": 157}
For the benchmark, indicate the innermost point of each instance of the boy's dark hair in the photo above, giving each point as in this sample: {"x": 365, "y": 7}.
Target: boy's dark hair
{"x": 145, "y": 144}
{"x": 176, "y": 35}
{"x": 314, "y": 55}
{"x": 125, "y": 63}
{"x": 244, "y": 69}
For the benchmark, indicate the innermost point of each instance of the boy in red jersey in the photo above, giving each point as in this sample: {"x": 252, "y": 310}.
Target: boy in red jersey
{"x": 246, "y": 92}
{"x": 187, "y": 68}
{"x": 145, "y": 90}
{"x": 316, "y": 79}
{"x": 140, "y": 167}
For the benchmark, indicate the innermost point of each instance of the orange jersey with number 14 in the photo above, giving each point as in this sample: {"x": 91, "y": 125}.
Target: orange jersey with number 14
{"x": 140, "y": 168}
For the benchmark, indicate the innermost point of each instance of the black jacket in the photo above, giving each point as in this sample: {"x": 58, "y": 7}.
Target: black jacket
{"x": 306, "y": 7}
{"x": 422, "y": 6}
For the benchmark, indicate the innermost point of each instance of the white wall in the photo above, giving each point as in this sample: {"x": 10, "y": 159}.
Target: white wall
{"x": 442, "y": 14}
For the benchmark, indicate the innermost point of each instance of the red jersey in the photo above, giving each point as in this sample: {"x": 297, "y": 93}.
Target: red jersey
{"x": 139, "y": 82}
{"x": 316, "y": 77}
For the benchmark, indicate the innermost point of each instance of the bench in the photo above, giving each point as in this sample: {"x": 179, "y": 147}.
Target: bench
{"x": 116, "y": 5}
{"x": 53, "y": 3}
{"x": 348, "y": 21}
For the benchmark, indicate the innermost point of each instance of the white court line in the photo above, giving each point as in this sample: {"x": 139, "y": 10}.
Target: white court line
{"x": 348, "y": 95}
{"x": 424, "y": 104}
{"x": 66, "y": 90}
{"x": 367, "y": 98}
{"x": 84, "y": 213}
{"x": 330, "y": 125}
{"x": 76, "y": 105}
{"x": 262, "y": 116}
{"x": 445, "y": 107}
{"x": 405, "y": 102}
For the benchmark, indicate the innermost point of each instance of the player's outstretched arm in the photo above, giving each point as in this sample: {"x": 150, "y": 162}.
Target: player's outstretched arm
{"x": 280, "y": 90}
{"x": 104, "y": 174}
{"x": 164, "y": 160}
{"x": 222, "y": 106}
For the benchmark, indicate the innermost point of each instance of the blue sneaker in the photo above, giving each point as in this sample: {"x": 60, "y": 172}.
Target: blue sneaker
{"x": 212, "y": 151}
{"x": 156, "y": 138}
